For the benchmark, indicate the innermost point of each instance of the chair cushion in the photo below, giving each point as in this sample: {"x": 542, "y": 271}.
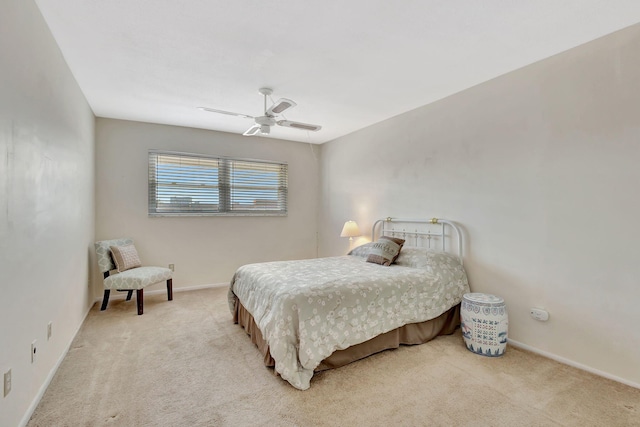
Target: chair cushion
{"x": 137, "y": 278}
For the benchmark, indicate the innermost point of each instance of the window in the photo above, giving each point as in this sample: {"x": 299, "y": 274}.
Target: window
{"x": 193, "y": 184}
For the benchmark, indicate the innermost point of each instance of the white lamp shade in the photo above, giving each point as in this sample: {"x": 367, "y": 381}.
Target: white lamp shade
{"x": 350, "y": 230}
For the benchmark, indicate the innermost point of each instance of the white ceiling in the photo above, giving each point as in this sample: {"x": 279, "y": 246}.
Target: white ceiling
{"x": 347, "y": 63}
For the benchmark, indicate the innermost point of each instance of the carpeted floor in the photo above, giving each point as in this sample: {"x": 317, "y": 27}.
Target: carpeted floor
{"x": 183, "y": 363}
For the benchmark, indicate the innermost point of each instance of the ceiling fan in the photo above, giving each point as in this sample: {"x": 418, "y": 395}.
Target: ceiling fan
{"x": 263, "y": 123}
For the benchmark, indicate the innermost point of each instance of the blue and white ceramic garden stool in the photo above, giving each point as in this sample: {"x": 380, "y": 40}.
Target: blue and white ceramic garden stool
{"x": 484, "y": 323}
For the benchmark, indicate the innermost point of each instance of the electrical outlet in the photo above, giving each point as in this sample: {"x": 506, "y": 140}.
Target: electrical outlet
{"x": 7, "y": 382}
{"x": 539, "y": 314}
{"x": 49, "y": 328}
{"x": 172, "y": 267}
{"x": 33, "y": 351}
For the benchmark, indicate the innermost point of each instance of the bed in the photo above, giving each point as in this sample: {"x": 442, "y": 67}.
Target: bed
{"x": 309, "y": 315}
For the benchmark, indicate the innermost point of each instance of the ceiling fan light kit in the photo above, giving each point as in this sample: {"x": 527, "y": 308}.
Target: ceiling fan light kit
{"x": 263, "y": 123}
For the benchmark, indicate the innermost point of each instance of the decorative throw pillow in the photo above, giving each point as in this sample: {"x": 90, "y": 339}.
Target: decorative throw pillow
{"x": 398, "y": 241}
{"x": 125, "y": 257}
{"x": 385, "y": 250}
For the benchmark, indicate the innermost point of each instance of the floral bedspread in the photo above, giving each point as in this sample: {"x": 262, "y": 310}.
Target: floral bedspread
{"x": 307, "y": 309}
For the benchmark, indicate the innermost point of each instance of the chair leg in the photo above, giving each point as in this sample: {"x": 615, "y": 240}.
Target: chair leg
{"x": 129, "y": 293}
{"x": 140, "y": 300}
{"x": 170, "y": 289}
{"x": 105, "y": 299}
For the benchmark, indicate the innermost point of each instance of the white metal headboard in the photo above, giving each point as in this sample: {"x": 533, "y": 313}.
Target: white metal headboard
{"x": 420, "y": 232}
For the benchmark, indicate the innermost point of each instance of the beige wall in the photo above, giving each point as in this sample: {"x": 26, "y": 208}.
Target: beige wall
{"x": 205, "y": 250}
{"x": 46, "y": 206}
{"x": 540, "y": 167}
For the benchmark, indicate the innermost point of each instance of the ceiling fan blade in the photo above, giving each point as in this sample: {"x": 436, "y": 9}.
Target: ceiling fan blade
{"x": 281, "y": 105}
{"x": 252, "y": 130}
{"x": 229, "y": 113}
{"x": 298, "y": 125}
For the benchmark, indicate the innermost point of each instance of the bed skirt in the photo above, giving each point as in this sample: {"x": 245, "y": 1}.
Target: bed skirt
{"x": 411, "y": 334}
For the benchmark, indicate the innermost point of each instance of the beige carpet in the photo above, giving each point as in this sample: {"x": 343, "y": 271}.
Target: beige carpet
{"x": 183, "y": 363}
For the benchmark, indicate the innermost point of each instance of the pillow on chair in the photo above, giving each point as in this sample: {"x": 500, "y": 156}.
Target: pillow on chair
{"x": 125, "y": 257}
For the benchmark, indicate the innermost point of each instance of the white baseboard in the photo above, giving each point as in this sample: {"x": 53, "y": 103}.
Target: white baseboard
{"x": 123, "y": 295}
{"x": 52, "y": 373}
{"x": 572, "y": 363}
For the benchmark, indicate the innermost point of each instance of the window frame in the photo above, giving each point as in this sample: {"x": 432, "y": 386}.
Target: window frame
{"x": 226, "y": 186}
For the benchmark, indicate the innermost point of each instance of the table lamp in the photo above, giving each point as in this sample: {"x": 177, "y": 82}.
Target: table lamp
{"x": 350, "y": 230}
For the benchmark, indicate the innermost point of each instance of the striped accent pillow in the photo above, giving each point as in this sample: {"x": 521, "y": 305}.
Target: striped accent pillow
{"x": 125, "y": 257}
{"x": 385, "y": 251}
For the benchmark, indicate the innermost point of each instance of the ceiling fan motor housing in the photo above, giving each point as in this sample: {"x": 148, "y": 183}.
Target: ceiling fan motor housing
{"x": 266, "y": 120}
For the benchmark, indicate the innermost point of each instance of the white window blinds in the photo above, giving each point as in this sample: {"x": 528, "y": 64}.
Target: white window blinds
{"x": 192, "y": 184}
